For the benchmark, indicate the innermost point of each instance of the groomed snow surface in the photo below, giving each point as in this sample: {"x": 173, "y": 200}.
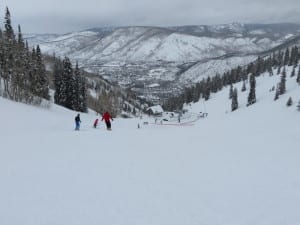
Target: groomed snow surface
{"x": 234, "y": 168}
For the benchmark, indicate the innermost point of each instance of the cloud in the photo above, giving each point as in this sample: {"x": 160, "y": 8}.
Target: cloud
{"x": 59, "y": 16}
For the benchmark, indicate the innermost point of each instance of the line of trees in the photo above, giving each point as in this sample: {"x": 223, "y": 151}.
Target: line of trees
{"x": 203, "y": 89}
{"x": 70, "y": 86}
{"x": 22, "y": 71}
{"x": 23, "y": 75}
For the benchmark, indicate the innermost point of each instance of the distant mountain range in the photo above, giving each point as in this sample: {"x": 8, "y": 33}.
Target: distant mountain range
{"x": 179, "y": 44}
{"x": 135, "y": 56}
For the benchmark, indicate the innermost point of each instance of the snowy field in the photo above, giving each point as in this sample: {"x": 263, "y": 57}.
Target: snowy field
{"x": 231, "y": 168}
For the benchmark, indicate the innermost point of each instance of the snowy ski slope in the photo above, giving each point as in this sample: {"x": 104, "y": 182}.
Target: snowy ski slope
{"x": 231, "y": 168}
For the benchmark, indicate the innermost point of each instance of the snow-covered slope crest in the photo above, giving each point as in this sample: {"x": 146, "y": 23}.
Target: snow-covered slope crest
{"x": 229, "y": 168}
{"x": 212, "y": 67}
{"x": 151, "y": 44}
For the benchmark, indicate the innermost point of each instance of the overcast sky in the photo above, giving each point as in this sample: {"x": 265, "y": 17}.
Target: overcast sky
{"x": 62, "y": 16}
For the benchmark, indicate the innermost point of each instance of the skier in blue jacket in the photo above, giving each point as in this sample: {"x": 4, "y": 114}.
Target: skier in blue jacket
{"x": 77, "y": 122}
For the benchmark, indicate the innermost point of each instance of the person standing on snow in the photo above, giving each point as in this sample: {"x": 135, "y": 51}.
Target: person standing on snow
{"x": 107, "y": 117}
{"x": 96, "y": 123}
{"x": 77, "y": 122}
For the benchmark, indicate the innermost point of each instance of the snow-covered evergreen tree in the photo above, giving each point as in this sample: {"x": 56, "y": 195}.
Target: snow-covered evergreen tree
{"x": 234, "y": 102}
{"x": 42, "y": 83}
{"x": 80, "y": 85}
{"x": 68, "y": 84}
{"x": 77, "y": 85}
{"x": 277, "y": 92}
{"x": 83, "y": 94}
{"x": 289, "y": 102}
{"x": 278, "y": 70}
{"x": 294, "y": 57}
{"x": 298, "y": 76}
{"x": 252, "y": 94}
{"x": 9, "y": 34}
{"x": 230, "y": 91}
{"x": 282, "y": 84}
{"x": 286, "y": 57}
{"x": 244, "y": 87}
{"x": 58, "y": 83}
{"x": 18, "y": 82}
{"x": 8, "y": 54}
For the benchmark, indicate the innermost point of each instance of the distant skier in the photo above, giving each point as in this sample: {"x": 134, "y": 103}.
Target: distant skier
{"x": 107, "y": 117}
{"x": 96, "y": 123}
{"x": 77, "y": 122}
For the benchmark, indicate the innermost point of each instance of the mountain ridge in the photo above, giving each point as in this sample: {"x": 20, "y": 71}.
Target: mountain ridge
{"x": 142, "y": 43}
{"x": 140, "y": 55}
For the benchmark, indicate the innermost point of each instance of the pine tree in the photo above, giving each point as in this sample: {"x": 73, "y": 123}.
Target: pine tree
{"x": 197, "y": 93}
{"x": 82, "y": 95}
{"x": 230, "y": 91}
{"x": 252, "y": 95}
{"x": 234, "y": 102}
{"x": 259, "y": 66}
{"x": 9, "y": 55}
{"x": 58, "y": 82}
{"x": 27, "y": 74}
{"x": 8, "y": 32}
{"x": 244, "y": 86}
{"x": 277, "y": 93}
{"x": 282, "y": 84}
{"x": 278, "y": 70}
{"x": 298, "y": 76}
{"x": 294, "y": 57}
{"x": 286, "y": 57}
{"x": 206, "y": 91}
{"x": 280, "y": 59}
{"x": 21, "y": 75}
{"x": 289, "y": 102}
{"x": 188, "y": 95}
{"x": 77, "y": 85}
{"x": 21, "y": 43}
{"x": 297, "y": 56}
{"x": 68, "y": 84}
{"x": 33, "y": 72}
{"x": 42, "y": 84}
{"x": 293, "y": 72}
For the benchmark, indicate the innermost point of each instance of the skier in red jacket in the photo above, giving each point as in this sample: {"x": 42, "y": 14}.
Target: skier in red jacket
{"x": 107, "y": 117}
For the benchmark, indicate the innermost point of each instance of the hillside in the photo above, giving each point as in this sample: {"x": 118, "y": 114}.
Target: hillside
{"x": 229, "y": 168}
{"x": 166, "y": 44}
{"x": 139, "y": 57}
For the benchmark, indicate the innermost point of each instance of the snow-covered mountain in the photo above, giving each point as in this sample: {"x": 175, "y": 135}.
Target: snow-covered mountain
{"x": 228, "y": 168}
{"x": 180, "y": 44}
{"x": 171, "y": 57}
{"x": 272, "y": 31}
